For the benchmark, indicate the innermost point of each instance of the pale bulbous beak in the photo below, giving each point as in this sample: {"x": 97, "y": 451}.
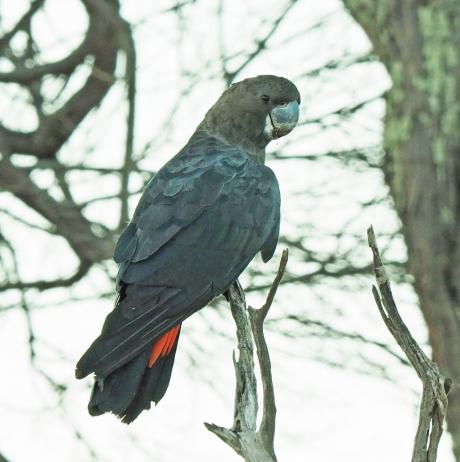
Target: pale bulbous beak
{"x": 281, "y": 120}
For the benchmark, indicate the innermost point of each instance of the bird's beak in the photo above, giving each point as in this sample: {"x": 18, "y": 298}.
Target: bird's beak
{"x": 281, "y": 120}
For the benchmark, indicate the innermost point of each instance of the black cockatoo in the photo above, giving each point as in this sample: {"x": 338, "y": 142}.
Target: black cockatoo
{"x": 201, "y": 219}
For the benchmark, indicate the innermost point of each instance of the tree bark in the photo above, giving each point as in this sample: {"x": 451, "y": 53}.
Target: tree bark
{"x": 417, "y": 40}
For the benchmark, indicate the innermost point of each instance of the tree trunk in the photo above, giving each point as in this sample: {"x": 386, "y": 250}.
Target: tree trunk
{"x": 419, "y": 43}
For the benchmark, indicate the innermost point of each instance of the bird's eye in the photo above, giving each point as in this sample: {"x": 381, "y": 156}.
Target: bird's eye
{"x": 283, "y": 104}
{"x": 265, "y": 98}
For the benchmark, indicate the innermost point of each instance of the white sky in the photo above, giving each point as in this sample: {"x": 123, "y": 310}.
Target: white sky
{"x": 325, "y": 414}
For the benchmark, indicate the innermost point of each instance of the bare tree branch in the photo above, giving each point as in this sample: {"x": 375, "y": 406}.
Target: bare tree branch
{"x": 435, "y": 386}
{"x": 321, "y": 329}
{"x": 35, "y": 5}
{"x": 56, "y": 128}
{"x": 3, "y": 458}
{"x": 257, "y": 317}
{"x": 128, "y": 163}
{"x": 260, "y": 45}
{"x": 45, "y": 284}
{"x": 66, "y": 216}
{"x": 65, "y": 66}
{"x": 56, "y": 166}
{"x": 254, "y": 445}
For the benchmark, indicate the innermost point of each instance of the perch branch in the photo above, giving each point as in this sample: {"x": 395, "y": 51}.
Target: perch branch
{"x": 435, "y": 386}
{"x": 254, "y": 445}
{"x": 257, "y": 317}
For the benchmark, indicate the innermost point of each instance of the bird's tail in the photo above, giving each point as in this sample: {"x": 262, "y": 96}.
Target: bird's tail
{"x": 129, "y": 390}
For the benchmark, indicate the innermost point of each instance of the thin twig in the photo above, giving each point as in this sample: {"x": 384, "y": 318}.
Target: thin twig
{"x": 46, "y": 284}
{"x": 257, "y": 317}
{"x": 130, "y": 78}
{"x": 260, "y": 44}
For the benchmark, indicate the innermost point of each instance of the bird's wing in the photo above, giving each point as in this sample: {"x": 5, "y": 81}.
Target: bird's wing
{"x": 199, "y": 223}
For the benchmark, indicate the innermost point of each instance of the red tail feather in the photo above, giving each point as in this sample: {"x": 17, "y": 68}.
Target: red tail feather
{"x": 163, "y": 345}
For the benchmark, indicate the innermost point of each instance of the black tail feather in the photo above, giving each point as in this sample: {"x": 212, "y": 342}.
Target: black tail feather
{"x": 129, "y": 390}
{"x": 153, "y": 386}
{"x": 115, "y": 392}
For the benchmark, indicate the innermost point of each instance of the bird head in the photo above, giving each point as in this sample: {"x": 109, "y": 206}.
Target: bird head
{"x": 255, "y": 111}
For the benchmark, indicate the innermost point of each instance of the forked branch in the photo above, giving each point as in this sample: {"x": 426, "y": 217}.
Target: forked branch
{"x": 435, "y": 386}
{"x": 252, "y": 443}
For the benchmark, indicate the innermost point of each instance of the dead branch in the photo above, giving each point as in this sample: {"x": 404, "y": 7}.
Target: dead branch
{"x": 47, "y": 284}
{"x": 55, "y": 129}
{"x": 435, "y": 386}
{"x": 254, "y": 445}
{"x": 22, "y": 23}
{"x": 66, "y": 216}
{"x": 3, "y": 458}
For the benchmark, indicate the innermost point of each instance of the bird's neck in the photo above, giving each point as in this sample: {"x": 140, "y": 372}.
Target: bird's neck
{"x": 258, "y": 156}
{"x": 254, "y": 147}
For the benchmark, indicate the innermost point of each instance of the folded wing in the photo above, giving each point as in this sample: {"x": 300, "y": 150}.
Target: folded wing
{"x": 199, "y": 223}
